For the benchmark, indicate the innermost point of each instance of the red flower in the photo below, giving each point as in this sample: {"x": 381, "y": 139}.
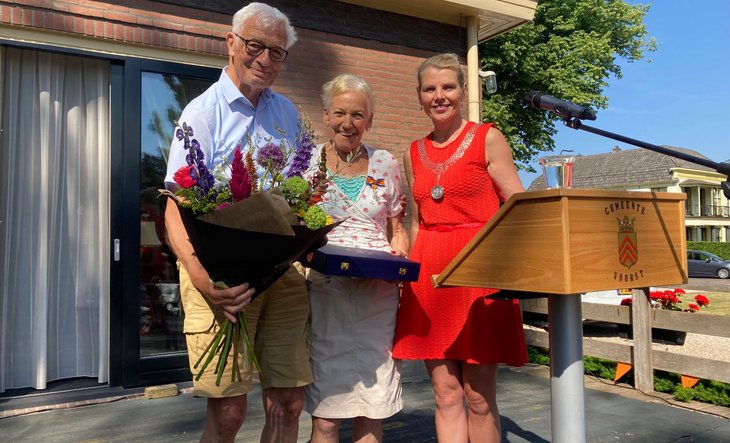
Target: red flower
{"x": 182, "y": 177}
{"x": 240, "y": 183}
{"x": 671, "y": 300}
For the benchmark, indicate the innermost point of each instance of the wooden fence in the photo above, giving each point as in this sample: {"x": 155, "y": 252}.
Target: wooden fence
{"x": 639, "y": 353}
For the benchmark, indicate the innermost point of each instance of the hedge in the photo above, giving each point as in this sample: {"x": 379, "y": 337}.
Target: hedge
{"x": 720, "y": 249}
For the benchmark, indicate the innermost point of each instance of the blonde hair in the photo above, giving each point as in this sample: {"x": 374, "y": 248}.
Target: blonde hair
{"x": 267, "y": 16}
{"x": 345, "y": 83}
{"x": 443, "y": 61}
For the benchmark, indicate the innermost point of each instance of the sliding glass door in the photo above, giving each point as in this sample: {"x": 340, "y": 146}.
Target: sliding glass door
{"x": 154, "y": 95}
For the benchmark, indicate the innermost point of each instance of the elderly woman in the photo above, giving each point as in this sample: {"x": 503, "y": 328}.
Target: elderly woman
{"x": 459, "y": 174}
{"x": 353, "y": 319}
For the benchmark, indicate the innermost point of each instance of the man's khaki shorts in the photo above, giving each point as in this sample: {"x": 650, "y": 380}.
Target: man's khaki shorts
{"x": 278, "y": 324}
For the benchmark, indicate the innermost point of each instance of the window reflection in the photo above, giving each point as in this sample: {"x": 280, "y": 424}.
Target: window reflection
{"x": 163, "y": 98}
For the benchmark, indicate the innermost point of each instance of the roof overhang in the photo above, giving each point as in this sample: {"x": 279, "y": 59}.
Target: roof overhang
{"x": 695, "y": 182}
{"x": 698, "y": 174}
{"x": 495, "y": 16}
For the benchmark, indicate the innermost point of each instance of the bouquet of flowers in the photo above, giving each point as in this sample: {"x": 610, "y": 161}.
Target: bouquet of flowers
{"x": 670, "y": 300}
{"x": 273, "y": 218}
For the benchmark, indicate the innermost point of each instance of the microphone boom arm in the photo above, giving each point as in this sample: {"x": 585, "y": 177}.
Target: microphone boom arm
{"x": 722, "y": 167}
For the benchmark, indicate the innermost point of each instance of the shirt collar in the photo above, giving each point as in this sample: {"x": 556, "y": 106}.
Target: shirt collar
{"x": 232, "y": 93}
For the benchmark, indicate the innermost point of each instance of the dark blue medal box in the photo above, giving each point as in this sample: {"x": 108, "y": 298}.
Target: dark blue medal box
{"x": 364, "y": 263}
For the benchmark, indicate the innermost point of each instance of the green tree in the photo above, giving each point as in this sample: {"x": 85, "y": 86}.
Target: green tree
{"x": 569, "y": 51}
{"x": 153, "y": 171}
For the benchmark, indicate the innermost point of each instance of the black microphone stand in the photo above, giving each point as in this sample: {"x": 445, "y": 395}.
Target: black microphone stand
{"x": 722, "y": 167}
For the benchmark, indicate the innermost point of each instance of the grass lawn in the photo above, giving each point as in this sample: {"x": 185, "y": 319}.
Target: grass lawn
{"x": 719, "y": 302}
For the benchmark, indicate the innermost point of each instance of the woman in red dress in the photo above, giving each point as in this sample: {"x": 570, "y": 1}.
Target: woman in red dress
{"x": 458, "y": 175}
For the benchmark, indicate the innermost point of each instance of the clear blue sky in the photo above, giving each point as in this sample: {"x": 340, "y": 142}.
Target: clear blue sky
{"x": 680, "y": 98}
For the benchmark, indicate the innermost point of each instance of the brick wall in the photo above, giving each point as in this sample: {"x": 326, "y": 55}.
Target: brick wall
{"x": 137, "y": 21}
{"x": 317, "y": 57}
{"x": 335, "y": 17}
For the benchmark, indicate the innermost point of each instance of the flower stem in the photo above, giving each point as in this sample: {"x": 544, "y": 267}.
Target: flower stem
{"x": 214, "y": 345}
{"x": 223, "y": 358}
{"x": 235, "y": 372}
{"x": 228, "y": 334}
{"x": 249, "y": 345}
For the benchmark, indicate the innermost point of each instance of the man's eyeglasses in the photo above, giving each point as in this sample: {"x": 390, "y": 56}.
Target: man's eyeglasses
{"x": 255, "y": 48}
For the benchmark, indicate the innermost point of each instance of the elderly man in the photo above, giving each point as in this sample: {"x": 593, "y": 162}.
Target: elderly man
{"x": 240, "y": 108}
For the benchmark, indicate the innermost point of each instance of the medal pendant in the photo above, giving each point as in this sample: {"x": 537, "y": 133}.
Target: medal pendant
{"x": 437, "y": 192}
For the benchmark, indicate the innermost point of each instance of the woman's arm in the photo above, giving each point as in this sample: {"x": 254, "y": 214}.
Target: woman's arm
{"x": 413, "y": 207}
{"x": 501, "y": 165}
{"x": 399, "y": 237}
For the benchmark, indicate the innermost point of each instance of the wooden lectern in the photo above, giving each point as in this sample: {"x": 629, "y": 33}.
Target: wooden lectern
{"x": 563, "y": 242}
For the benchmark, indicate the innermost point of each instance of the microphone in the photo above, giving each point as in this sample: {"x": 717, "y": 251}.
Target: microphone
{"x": 563, "y": 108}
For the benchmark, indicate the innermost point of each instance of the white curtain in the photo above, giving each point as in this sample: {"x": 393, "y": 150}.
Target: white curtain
{"x": 54, "y": 218}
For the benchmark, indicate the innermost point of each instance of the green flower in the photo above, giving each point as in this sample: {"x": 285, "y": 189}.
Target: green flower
{"x": 296, "y": 186}
{"x": 296, "y": 191}
{"x": 315, "y": 218}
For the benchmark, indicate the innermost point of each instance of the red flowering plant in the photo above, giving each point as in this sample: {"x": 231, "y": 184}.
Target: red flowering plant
{"x": 670, "y": 300}
{"x": 273, "y": 216}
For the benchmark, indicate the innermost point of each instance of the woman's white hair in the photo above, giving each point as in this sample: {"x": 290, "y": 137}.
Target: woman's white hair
{"x": 267, "y": 16}
{"x": 345, "y": 83}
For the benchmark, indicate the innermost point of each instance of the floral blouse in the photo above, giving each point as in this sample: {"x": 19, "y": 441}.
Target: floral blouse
{"x": 367, "y": 217}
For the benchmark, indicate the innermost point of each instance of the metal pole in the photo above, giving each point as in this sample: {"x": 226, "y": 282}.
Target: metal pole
{"x": 566, "y": 368}
{"x": 722, "y": 167}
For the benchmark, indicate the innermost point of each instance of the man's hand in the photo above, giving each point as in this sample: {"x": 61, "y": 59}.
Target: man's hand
{"x": 231, "y": 300}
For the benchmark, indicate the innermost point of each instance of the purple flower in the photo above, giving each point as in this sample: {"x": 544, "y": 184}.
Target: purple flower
{"x": 271, "y": 157}
{"x": 184, "y": 132}
{"x": 196, "y": 159}
{"x": 194, "y": 175}
{"x": 302, "y": 155}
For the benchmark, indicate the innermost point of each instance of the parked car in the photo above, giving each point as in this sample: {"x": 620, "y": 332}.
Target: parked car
{"x": 704, "y": 264}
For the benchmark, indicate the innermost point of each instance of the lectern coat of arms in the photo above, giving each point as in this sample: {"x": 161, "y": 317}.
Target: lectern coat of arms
{"x": 628, "y": 251}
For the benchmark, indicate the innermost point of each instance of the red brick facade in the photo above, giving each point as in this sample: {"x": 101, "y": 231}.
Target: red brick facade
{"x": 139, "y": 35}
{"x": 317, "y": 56}
{"x": 138, "y": 22}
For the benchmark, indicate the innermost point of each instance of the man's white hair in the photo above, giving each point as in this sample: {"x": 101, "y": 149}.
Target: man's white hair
{"x": 267, "y": 16}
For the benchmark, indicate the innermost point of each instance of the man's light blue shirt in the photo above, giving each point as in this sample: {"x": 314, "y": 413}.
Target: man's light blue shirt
{"x": 221, "y": 118}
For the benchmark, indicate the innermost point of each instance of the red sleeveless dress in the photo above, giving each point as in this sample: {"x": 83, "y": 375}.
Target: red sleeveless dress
{"x": 455, "y": 323}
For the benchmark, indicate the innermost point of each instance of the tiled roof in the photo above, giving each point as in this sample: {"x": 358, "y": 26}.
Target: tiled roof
{"x": 626, "y": 168}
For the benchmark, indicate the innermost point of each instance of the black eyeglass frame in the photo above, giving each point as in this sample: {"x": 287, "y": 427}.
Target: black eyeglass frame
{"x": 263, "y": 47}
